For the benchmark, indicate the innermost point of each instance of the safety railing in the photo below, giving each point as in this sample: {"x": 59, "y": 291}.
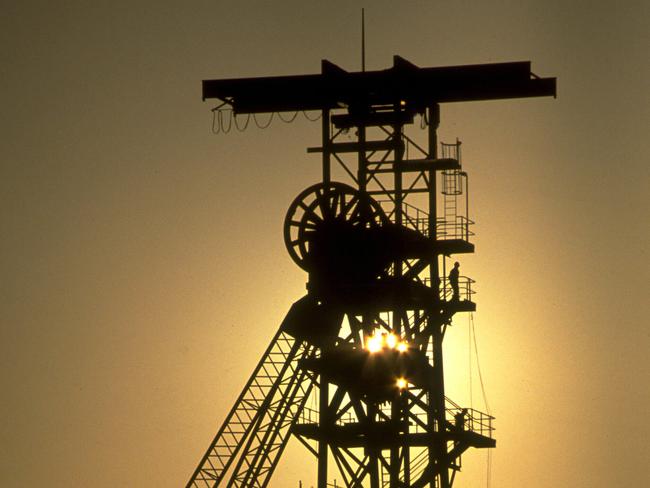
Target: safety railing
{"x": 417, "y": 219}
{"x": 465, "y": 291}
{"x": 311, "y": 416}
{"x": 472, "y": 420}
{"x": 469, "y": 419}
{"x": 412, "y": 217}
{"x": 308, "y": 416}
{"x": 458, "y": 228}
{"x": 333, "y": 484}
{"x": 451, "y": 151}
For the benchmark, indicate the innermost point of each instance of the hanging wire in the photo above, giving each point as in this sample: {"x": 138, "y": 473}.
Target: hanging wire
{"x": 478, "y": 366}
{"x": 263, "y": 126}
{"x": 320, "y": 114}
{"x": 473, "y": 342}
{"x": 220, "y": 117}
{"x": 217, "y": 119}
{"x": 223, "y": 119}
{"x": 488, "y": 482}
{"x": 424, "y": 120}
{"x": 215, "y": 127}
{"x": 469, "y": 350}
{"x": 242, "y": 129}
{"x": 288, "y": 120}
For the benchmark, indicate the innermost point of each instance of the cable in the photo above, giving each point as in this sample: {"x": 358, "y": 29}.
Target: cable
{"x": 425, "y": 119}
{"x": 478, "y": 366}
{"x": 469, "y": 349}
{"x": 290, "y": 119}
{"x": 242, "y": 129}
{"x": 488, "y": 481}
{"x": 472, "y": 335}
{"x": 260, "y": 126}
{"x": 423, "y": 122}
{"x": 220, "y": 115}
{"x": 215, "y": 127}
{"x": 320, "y": 114}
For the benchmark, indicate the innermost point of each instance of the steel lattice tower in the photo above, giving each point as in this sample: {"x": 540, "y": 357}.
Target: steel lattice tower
{"x": 367, "y": 338}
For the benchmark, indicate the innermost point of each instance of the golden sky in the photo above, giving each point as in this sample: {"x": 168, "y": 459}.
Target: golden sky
{"x": 142, "y": 261}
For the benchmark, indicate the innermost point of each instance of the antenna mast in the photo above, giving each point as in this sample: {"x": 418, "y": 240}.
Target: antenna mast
{"x": 363, "y": 39}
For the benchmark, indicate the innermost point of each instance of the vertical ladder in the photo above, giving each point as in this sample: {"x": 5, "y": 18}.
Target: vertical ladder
{"x": 452, "y": 187}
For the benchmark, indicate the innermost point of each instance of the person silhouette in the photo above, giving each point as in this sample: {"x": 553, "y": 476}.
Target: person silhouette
{"x": 459, "y": 419}
{"x": 453, "y": 281}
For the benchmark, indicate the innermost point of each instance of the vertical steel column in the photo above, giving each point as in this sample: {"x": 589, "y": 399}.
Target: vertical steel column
{"x": 399, "y": 156}
{"x": 323, "y": 420}
{"x": 397, "y": 404}
{"x": 362, "y": 175}
{"x": 432, "y": 126}
{"x": 437, "y": 403}
{"x": 325, "y": 126}
{"x": 323, "y": 407}
{"x": 373, "y": 452}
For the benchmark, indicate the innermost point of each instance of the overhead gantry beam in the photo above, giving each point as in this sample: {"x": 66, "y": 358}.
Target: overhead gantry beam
{"x": 404, "y": 83}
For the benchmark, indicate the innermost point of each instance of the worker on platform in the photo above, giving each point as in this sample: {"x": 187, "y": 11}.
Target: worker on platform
{"x": 459, "y": 419}
{"x": 453, "y": 281}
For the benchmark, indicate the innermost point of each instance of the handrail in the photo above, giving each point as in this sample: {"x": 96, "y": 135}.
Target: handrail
{"x": 417, "y": 219}
{"x": 465, "y": 290}
{"x": 467, "y": 419}
{"x": 472, "y": 420}
{"x": 312, "y": 416}
{"x": 451, "y": 151}
{"x": 456, "y": 229}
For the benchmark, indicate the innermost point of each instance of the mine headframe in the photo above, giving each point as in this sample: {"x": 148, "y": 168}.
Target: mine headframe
{"x": 365, "y": 342}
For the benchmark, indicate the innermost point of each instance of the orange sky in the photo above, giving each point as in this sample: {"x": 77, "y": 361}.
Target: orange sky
{"x": 142, "y": 261}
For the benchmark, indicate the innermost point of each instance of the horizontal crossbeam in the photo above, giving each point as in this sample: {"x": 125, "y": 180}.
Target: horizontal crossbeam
{"x": 403, "y": 86}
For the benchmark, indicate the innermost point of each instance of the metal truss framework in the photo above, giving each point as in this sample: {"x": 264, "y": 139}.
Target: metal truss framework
{"x": 380, "y": 182}
{"x": 414, "y": 439}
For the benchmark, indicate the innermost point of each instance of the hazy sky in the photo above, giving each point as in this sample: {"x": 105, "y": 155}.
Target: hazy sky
{"x": 142, "y": 262}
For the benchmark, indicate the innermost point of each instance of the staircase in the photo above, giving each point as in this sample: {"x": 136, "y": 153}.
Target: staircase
{"x": 261, "y": 418}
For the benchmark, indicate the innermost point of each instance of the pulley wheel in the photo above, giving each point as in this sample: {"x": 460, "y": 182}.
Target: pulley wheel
{"x": 325, "y": 203}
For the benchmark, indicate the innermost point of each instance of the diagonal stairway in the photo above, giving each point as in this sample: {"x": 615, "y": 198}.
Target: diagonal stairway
{"x": 260, "y": 419}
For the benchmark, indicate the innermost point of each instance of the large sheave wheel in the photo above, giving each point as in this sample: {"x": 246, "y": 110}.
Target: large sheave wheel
{"x": 323, "y": 204}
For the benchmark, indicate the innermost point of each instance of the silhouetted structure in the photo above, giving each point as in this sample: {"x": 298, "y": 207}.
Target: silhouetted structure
{"x": 366, "y": 339}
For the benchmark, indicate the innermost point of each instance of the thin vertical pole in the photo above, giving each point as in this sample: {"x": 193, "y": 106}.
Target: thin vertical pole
{"x": 399, "y": 193}
{"x": 325, "y": 127}
{"x": 373, "y": 452}
{"x": 324, "y": 390}
{"x": 362, "y": 170}
{"x": 397, "y": 404}
{"x": 432, "y": 126}
{"x": 323, "y": 427}
{"x": 363, "y": 39}
{"x": 399, "y": 206}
